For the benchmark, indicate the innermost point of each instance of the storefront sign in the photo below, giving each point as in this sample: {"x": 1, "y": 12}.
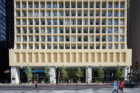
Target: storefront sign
{"x": 41, "y": 71}
{"x": 7, "y": 71}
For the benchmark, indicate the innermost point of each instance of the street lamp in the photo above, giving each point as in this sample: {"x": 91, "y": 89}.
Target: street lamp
{"x": 127, "y": 73}
{"x": 136, "y": 64}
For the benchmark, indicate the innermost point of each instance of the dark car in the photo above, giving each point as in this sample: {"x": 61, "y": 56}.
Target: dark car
{"x": 130, "y": 84}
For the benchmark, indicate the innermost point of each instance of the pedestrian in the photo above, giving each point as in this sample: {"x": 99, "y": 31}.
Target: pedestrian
{"x": 42, "y": 81}
{"x": 115, "y": 87}
{"x": 36, "y": 86}
{"x": 121, "y": 86}
{"x": 61, "y": 81}
{"x": 69, "y": 81}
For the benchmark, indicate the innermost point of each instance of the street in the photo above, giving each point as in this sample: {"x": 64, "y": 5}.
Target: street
{"x": 64, "y": 89}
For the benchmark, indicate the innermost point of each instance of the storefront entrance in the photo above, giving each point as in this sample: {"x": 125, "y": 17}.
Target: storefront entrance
{"x": 71, "y": 72}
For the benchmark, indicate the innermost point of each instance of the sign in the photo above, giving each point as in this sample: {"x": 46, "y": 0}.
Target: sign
{"x": 13, "y": 78}
{"x": 40, "y": 71}
{"x": 7, "y": 71}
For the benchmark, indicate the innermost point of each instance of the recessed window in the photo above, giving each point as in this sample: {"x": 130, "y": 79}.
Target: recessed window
{"x": 43, "y": 38}
{"x": 54, "y": 5}
{"x": 30, "y": 5}
{"x": 60, "y": 5}
{"x": 109, "y": 13}
{"x": 48, "y": 13}
{"x": 109, "y": 21}
{"x": 116, "y": 22}
{"x": 115, "y": 30}
{"x": 79, "y": 5}
{"x": 115, "y": 38}
{"x": 67, "y": 46}
{"x": 103, "y": 38}
{"x": 109, "y": 38}
{"x": 97, "y": 38}
{"x": 36, "y": 5}
{"x": 42, "y": 30}
{"x": 30, "y": 38}
{"x": 109, "y": 30}
{"x": 103, "y": 30}
{"x": 42, "y": 21}
{"x": 17, "y": 5}
{"x": 115, "y": 46}
{"x": 109, "y": 46}
{"x": 18, "y": 38}
{"x": 55, "y": 38}
{"x": 42, "y": 13}
{"x": 49, "y": 38}
{"x": 110, "y": 5}
{"x": 48, "y": 5}
{"x": 42, "y": 5}
{"x": 116, "y": 5}
{"x": 122, "y": 5}
{"x": 73, "y": 5}
{"x": 121, "y": 30}
{"x": 115, "y": 13}
{"x": 36, "y": 30}
{"x": 97, "y": 5}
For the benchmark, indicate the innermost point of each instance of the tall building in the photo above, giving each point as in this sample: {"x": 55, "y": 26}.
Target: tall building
{"x": 73, "y": 33}
{"x": 6, "y": 35}
{"x": 128, "y": 23}
{"x": 134, "y": 33}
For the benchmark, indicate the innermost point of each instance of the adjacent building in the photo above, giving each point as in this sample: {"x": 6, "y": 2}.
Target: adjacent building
{"x": 134, "y": 34}
{"x": 73, "y": 33}
{"x": 6, "y": 36}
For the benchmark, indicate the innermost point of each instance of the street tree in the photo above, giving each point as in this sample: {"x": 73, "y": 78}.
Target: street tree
{"x": 119, "y": 73}
{"x": 100, "y": 72}
{"x": 28, "y": 71}
{"x": 79, "y": 73}
{"x": 64, "y": 73}
{"x": 47, "y": 72}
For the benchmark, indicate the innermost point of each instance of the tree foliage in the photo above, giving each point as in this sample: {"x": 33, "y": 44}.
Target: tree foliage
{"x": 119, "y": 73}
{"x": 79, "y": 73}
{"x": 47, "y": 70}
{"x": 64, "y": 73}
{"x": 28, "y": 72}
{"x": 100, "y": 72}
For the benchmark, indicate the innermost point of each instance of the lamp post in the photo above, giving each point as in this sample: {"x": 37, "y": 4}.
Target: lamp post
{"x": 136, "y": 64}
{"x": 127, "y": 73}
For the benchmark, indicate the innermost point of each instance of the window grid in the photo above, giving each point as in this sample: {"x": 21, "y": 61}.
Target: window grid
{"x": 85, "y": 19}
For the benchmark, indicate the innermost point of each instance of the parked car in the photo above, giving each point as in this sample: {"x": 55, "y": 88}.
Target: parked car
{"x": 130, "y": 84}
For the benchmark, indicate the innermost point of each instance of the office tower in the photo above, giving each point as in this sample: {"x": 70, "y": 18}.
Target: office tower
{"x": 73, "y": 33}
{"x": 6, "y": 36}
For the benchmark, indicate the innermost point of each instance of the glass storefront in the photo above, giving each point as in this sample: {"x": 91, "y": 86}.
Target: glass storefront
{"x": 71, "y": 71}
{"x": 39, "y": 75}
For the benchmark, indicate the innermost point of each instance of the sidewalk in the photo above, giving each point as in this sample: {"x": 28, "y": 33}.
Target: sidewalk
{"x": 74, "y": 84}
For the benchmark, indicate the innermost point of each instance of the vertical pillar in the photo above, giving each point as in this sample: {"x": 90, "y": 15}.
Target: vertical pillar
{"x": 125, "y": 70}
{"x": 53, "y": 75}
{"x": 88, "y": 75}
{"x": 15, "y": 75}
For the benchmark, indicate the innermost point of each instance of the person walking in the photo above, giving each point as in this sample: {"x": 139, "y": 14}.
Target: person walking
{"x": 36, "y": 86}
{"x": 121, "y": 86}
{"x": 69, "y": 81}
{"x": 115, "y": 87}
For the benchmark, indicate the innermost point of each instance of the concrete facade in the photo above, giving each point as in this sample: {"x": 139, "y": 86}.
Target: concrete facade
{"x": 70, "y": 33}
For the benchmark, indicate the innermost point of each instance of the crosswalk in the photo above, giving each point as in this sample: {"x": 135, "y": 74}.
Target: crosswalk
{"x": 91, "y": 90}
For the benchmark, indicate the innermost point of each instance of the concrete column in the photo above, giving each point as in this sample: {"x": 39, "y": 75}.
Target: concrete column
{"x": 53, "y": 75}
{"x": 125, "y": 70}
{"x": 88, "y": 74}
{"x": 15, "y": 75}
